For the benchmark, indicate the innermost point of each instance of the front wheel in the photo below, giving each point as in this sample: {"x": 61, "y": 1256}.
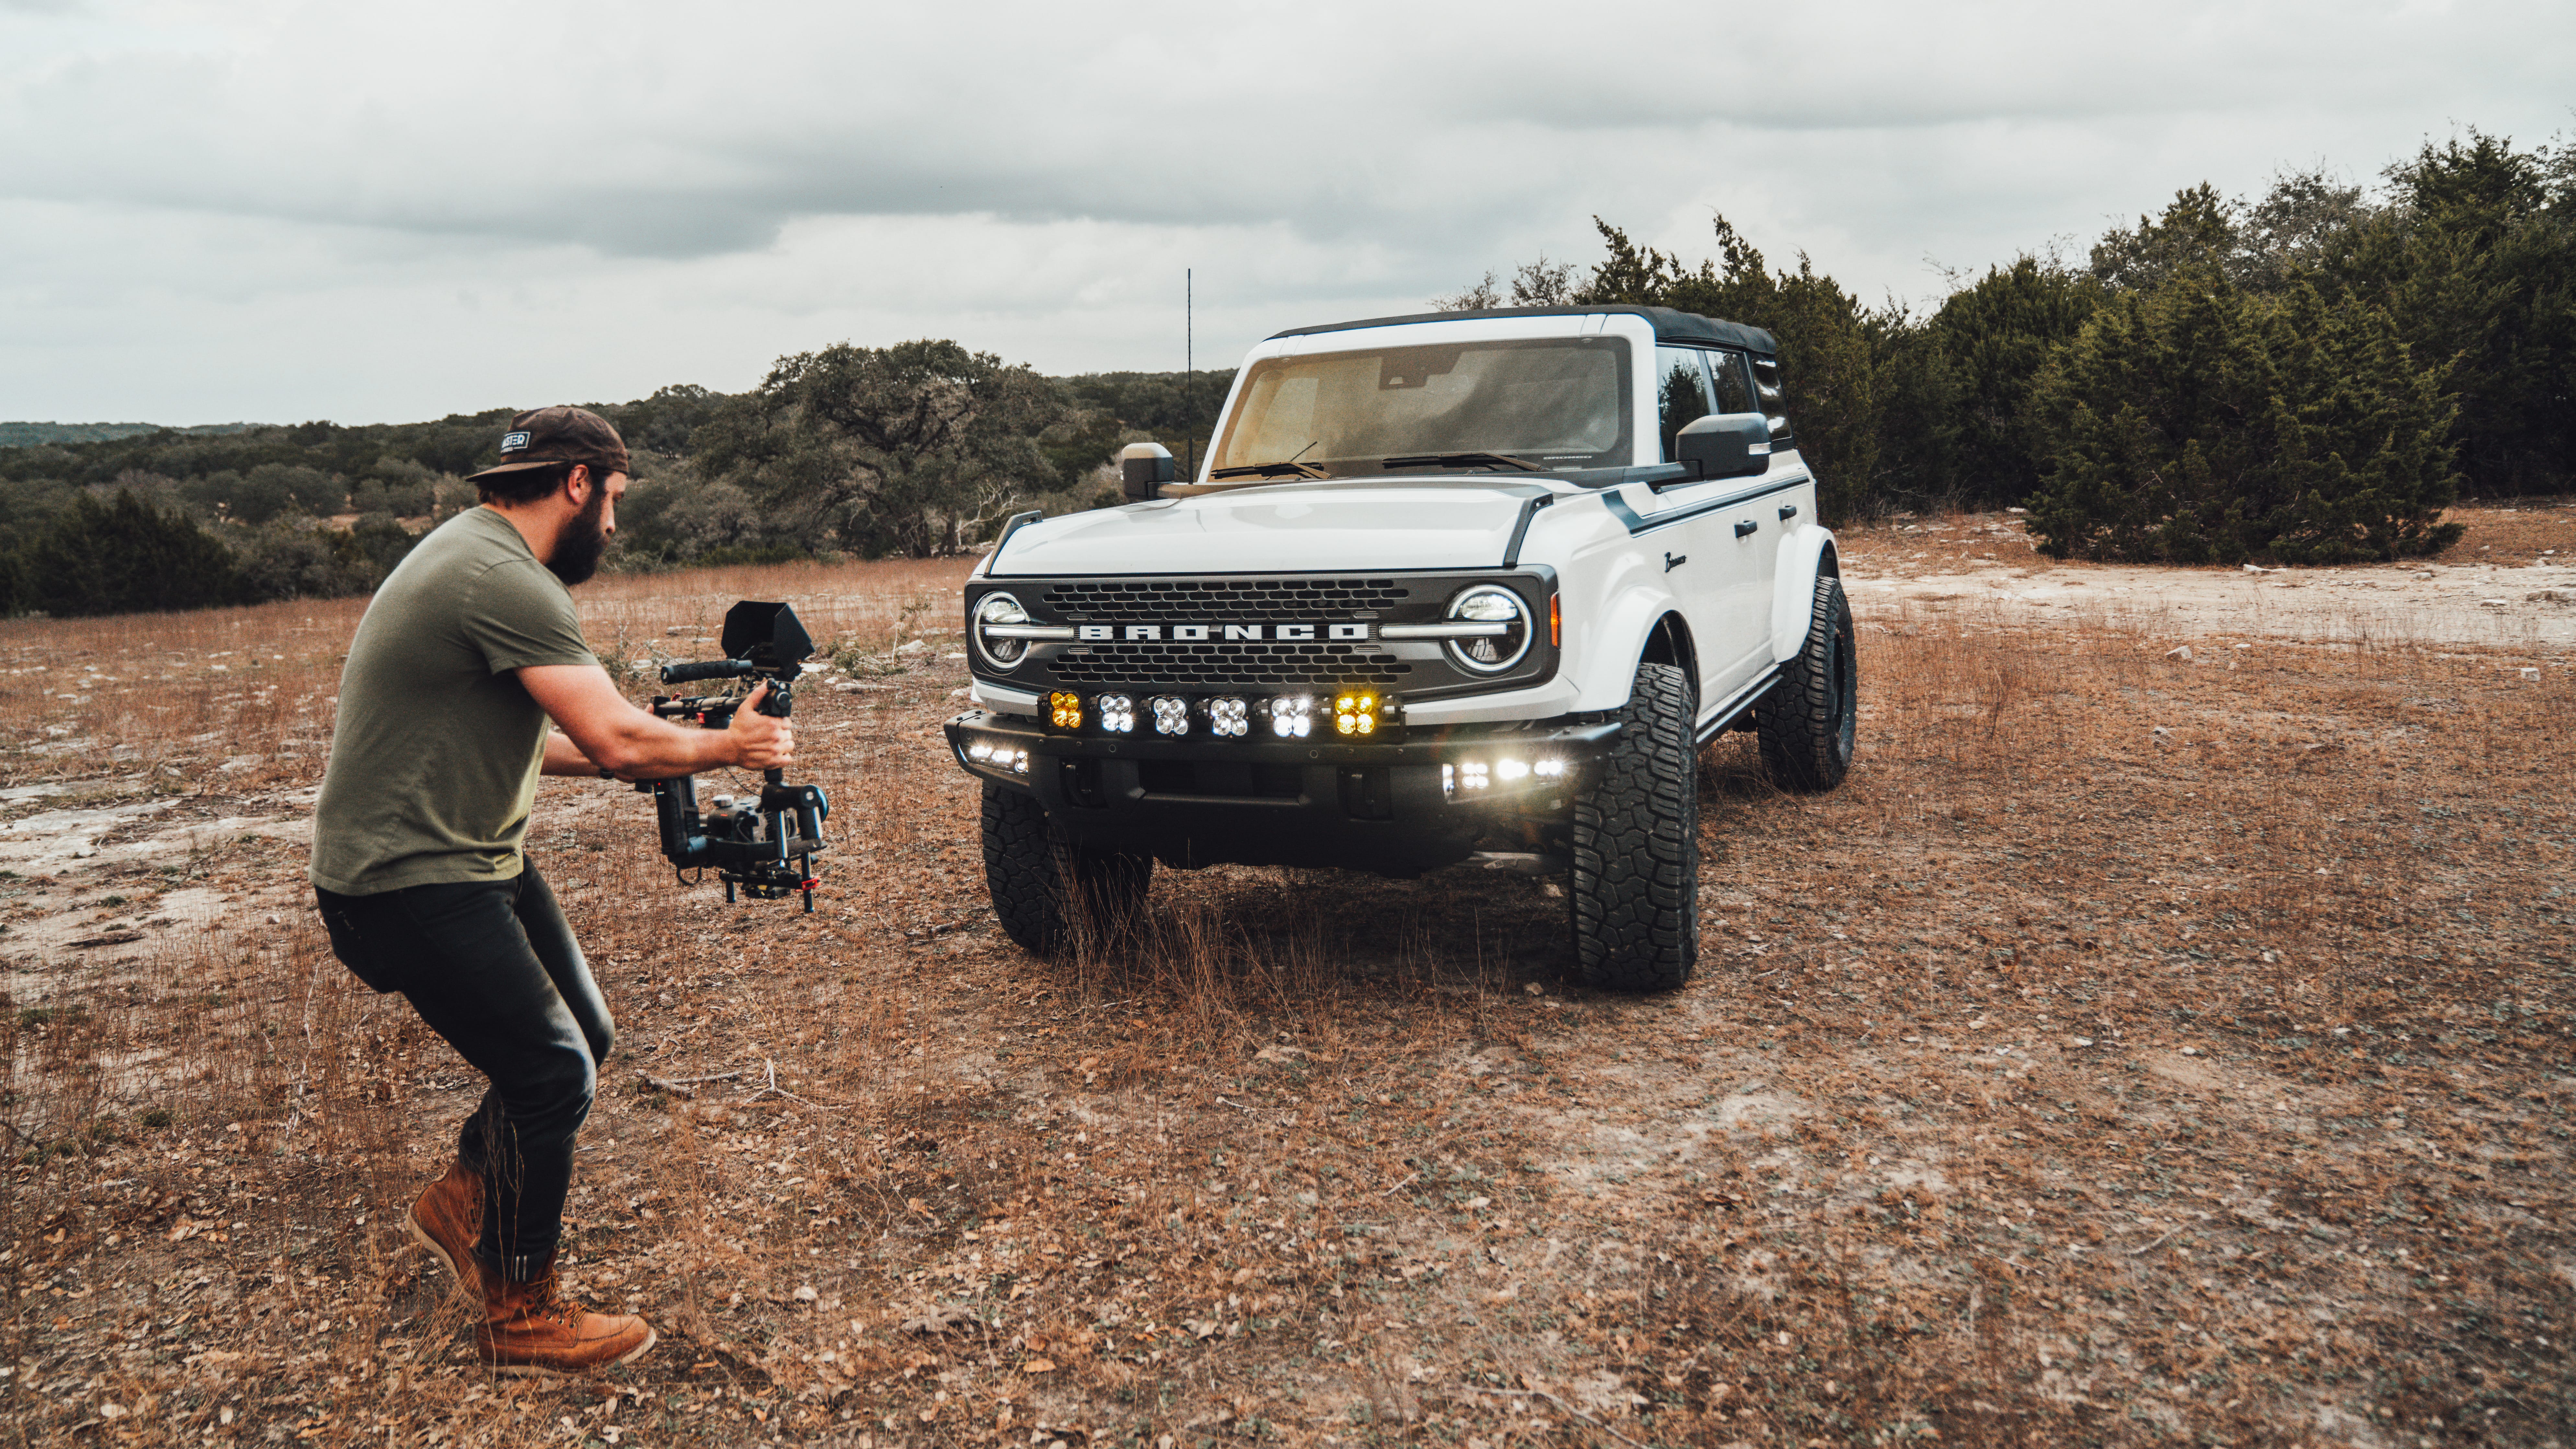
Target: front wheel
{"x": 1635, "y": 887}
{"x": 1047, "y": 892}
{"x": 1808, "y": 722}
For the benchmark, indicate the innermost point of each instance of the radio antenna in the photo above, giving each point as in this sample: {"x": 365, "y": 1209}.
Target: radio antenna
{"x": 1189, "y": 368}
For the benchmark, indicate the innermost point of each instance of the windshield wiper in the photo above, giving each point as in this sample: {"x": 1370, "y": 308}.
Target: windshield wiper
{"x": 1290, "y": 467}
{"x": 1460, "y": 460}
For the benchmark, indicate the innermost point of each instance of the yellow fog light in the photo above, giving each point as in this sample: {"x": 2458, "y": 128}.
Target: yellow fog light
{"x": 1065, "y": 708}
{"x": 1355, "y": 713}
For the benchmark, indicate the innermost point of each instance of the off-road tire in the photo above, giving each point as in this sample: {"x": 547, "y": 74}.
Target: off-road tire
{"x": 1807, "y": 723}
{"x": 1634, "y": 890}
{"x": 1048, "y": 893}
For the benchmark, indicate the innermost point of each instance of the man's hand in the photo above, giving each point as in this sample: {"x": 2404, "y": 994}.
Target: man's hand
{"x": 760, "y": 742}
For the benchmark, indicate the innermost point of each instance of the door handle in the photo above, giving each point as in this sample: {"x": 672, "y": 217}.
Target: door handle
{"x": 1787, "y": 512}
{"x": 1745, "y": 527}
{"x": 1673, "y": 561}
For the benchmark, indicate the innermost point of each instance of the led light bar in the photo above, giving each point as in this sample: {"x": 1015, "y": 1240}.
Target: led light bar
{"x": 1355, "y": 713}
{"x": 1228, "y": 717}
{"x": 1292, "y": 716}
{"x": 1467, "y": 777}
{"x": 1000, "y": 756}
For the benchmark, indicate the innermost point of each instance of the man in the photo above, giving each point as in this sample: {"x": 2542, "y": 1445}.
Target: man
{"x": 419, "y": 864}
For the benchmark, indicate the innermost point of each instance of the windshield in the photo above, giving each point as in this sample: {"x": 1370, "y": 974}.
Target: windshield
{"x": 1556, "y": 402}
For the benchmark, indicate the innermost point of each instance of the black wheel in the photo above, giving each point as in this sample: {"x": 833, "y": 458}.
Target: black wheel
{"x": 1635, "y": 887}
{"x": 1047, "y": 892}
{"x": 1809, "y": 720}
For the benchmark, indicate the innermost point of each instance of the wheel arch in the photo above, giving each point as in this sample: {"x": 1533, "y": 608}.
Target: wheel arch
{"x": 1640, "y": 625}
{"x": 1806, "y": 555}
{"x": 1668, "y": 641}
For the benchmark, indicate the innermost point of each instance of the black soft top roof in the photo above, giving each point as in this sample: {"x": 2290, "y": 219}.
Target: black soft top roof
{"x": 1670, "y": 325}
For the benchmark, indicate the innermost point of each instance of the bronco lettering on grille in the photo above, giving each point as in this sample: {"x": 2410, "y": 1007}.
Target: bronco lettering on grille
{"x": 1201, "y": 633}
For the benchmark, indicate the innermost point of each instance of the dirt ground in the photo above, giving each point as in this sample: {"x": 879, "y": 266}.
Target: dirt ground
{"x": 2509, "y": 584}
{"x": 2141, "y": 1047}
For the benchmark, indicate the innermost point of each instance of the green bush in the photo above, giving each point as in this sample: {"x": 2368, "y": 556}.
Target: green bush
{"x": 127, "y": 557}
{"x": 1996, "y": 337}
{"x": 296, "y": 558}
{"x": 2194, "y": 422}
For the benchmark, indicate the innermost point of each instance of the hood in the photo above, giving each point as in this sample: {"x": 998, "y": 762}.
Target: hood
{"x": 1436, "y": 523}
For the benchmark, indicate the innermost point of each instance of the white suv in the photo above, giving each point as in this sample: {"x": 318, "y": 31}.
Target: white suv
{"x": 1466, "y": 584}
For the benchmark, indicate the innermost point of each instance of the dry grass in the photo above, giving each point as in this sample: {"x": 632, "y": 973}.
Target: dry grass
{"x": 2133, "y": 1051}
{"x": 2527, "y": 531}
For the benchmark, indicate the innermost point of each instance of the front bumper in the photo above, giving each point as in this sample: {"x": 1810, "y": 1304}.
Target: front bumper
{"x": 1397, "y": 807}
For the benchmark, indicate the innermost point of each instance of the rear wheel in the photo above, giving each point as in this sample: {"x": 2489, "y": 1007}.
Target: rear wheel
{"x": 1810, "y": 719}
{"x": 1047, "y": 892}
{"x": 1635, "y": 885}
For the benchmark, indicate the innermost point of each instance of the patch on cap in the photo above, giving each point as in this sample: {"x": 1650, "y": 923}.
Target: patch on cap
{"x": 513, "y": 442}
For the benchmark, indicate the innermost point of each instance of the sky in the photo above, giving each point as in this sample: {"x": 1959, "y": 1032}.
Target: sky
{"x": 273, "y": 211}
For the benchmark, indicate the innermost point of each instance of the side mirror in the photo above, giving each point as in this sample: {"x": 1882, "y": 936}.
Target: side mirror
{"x": 1726, "y": 445}
{"x": 1143, "y": 469}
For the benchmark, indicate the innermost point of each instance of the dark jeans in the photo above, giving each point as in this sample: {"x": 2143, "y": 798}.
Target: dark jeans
{"x": 492, "y": 966}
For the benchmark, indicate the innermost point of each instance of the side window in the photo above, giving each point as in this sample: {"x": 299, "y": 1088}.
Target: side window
{"x": 1766, "y": 393}
{"x": 1681, "y": 392}
{"x": 1733, "y": 384}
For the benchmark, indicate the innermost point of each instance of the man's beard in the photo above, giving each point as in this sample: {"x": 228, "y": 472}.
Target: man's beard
{"x": 578, "y": 548}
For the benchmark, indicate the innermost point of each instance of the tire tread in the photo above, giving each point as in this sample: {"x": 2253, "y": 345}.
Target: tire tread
{"x": 1635, "y": 885}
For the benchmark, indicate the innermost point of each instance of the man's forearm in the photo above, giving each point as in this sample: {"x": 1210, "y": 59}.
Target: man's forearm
{"x": 563, "y": 757}
{"x": 604, "y": 731}
{"x": 656, "y": 750}
{"x": 652, "y": 751}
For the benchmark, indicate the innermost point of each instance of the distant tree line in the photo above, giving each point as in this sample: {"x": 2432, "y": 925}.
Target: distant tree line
{"x": 916, "y": 449}
{"x": 2311, "y": 376}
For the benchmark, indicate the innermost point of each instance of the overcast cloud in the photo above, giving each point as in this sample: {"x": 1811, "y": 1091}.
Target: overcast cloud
{"x": 280, "y": 211}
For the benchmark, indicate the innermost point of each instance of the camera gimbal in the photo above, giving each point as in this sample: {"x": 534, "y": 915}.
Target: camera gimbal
{"x": 766, "y": 847}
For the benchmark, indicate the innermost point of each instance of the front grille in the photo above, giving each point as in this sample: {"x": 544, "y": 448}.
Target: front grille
{"x": 1160, "y": 600}
{"x": 1419, "y": 670}
{"x": 1323, "y": 666}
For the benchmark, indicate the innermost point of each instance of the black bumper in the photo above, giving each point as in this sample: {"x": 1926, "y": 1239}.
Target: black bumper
{"x": 1383, "y": 806}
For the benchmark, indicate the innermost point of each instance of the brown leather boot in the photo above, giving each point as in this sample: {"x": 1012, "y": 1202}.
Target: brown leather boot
{"x": 528, "y": 1328}
{"x": 447, "y": 1219}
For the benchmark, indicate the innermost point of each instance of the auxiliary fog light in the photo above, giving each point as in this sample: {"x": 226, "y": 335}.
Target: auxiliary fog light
{"x": 1228, "y": 717}
{"x": 1117, "y": 713}
{"x": 1550, "y": 768}
{"x": 1171, "y": 714}
{"x": 1065, "y": 708}
{"x": 999, "y": 756}
{"x": 1355, "y": 713}
{"x": 1508, "y": 770}
{"x": 1292, "y": 715}
{"x": 1466, "y": 777}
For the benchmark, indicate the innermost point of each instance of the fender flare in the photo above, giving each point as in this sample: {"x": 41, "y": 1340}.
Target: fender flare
{"x": 1806, "y": 554}
{"x": 1640, "y": 624}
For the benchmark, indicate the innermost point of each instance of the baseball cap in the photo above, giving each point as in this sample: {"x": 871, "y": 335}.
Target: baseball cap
{"x": 552, "y": 436}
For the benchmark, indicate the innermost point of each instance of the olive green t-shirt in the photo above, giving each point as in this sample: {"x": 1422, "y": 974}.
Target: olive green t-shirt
{"x": 435, "y": 757}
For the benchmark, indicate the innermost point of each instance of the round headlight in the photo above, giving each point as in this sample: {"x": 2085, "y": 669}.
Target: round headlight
{"x": 1000, "y": 609}
{"x": 1508, "y": 639}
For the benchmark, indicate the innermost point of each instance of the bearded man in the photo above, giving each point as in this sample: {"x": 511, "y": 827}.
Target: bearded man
{"x": 420, "y": 865}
